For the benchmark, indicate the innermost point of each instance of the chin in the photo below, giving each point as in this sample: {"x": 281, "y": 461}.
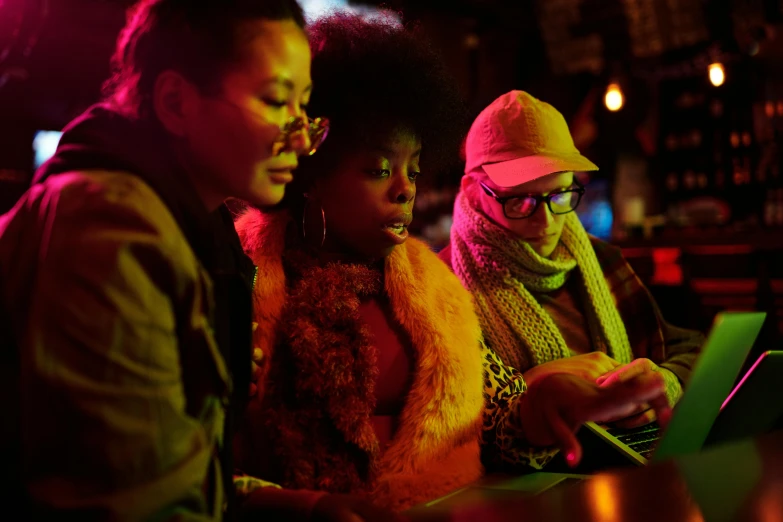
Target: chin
{"x": 269, "y": 196}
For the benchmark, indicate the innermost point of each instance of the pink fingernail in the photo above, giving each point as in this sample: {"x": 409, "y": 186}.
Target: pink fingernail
{"x": 571, "y": 456}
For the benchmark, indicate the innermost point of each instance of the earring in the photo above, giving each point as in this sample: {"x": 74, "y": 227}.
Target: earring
{"x": 304, "y": 218}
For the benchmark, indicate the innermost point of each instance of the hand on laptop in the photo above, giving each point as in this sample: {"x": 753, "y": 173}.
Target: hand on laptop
{"x": 645, "y": 414}
{"x": 628, "y": 371}
{"x": 644, "y": 417}
{"x": 556, "y": 406}
{"x": 590, "y": 366}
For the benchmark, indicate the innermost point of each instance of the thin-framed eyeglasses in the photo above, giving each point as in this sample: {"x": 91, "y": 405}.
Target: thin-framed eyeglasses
{"x": 300, "y": 133}
{"x": 293, "y": 132}
{"x": 524, "y": 206}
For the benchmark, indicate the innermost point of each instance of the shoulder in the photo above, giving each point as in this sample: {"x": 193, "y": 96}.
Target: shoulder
{"x": 108, "y": 198}
{"x": 602, "y": 246}
{"x": 105, "y": 211}
{"x": 98, "y": 185}
{"x": 609, "y": 256}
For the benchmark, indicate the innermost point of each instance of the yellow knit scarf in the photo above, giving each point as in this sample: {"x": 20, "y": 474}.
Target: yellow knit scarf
{"x": 501, "y": 270}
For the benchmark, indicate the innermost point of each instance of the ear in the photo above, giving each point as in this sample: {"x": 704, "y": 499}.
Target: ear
{"x": 467, "y": 181}
{"x": 174, "y": 100}
{"x": 471, "y": 189}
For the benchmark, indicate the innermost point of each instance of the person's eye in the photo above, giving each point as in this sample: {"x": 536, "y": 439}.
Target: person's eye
{"x": 379, "y": 173}
{"x": 274, "y": 103}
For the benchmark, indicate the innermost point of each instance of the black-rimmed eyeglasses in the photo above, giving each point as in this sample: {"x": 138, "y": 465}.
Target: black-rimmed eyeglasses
{"x": 524, "y": 206}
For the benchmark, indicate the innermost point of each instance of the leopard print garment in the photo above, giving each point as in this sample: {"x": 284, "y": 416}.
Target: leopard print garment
{"x": 501, "y": 437}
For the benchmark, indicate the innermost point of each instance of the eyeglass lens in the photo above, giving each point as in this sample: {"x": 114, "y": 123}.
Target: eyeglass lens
{"x": 302, "y": 134}
{"x": 559, "y": 203}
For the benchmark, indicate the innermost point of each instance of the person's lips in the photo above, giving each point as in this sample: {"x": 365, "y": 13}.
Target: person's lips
{"x": 282, "y": 175}
{"x": 541, "y": 238}
{"x": 396, "y": 227}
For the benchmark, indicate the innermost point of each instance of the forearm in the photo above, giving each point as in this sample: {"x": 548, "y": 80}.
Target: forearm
{"x": 503, "y": 437}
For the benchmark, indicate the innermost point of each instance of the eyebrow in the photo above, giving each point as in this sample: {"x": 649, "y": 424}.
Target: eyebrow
{"x": 285, "y": 82}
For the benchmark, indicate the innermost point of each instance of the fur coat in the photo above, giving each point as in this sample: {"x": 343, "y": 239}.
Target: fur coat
{"x": 309, "y": 426}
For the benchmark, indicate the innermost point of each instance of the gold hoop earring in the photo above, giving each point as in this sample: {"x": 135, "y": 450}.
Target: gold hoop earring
{"x": 304, "y": 221}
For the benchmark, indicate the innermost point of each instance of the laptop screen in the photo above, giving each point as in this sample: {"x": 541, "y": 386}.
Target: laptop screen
{"x": 723, "y": 354}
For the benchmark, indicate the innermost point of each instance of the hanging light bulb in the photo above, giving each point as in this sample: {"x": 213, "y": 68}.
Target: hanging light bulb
{"x": 717, "y": 74}
{"x": 613, "y": 99}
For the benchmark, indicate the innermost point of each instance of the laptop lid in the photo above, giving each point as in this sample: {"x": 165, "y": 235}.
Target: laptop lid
{"x": 755, "y": 404}
{"x": 728, "y": 344}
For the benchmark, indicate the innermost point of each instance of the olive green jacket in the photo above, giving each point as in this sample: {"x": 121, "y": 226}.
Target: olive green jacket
{"x": 116, "y": 386}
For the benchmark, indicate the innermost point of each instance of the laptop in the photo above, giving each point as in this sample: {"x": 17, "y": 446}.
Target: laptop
{"x": 728, "y": 344}
{"x": 755, "y": 405}
{"x": 723, "y": 354}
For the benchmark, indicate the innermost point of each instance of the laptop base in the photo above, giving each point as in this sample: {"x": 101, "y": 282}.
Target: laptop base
{"x": 597, "y": 456}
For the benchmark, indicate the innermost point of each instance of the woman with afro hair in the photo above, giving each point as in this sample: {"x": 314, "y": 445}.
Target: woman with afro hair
{"x": 373, "y": 378}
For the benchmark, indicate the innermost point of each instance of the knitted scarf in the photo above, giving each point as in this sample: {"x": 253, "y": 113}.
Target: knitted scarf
{"x": 501, "y": 270}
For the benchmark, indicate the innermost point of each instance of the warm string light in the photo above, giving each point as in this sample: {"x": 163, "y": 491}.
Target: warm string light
{"x": 614, "y": 99}
{"x": 717, "y": 74}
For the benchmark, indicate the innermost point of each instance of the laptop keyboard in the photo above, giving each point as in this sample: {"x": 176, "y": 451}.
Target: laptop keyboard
{"x": 642, "y": 440}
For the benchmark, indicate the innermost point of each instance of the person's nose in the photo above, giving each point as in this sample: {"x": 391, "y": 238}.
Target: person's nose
{"x": 296, "y": 133}
{"x": 543, "y": 217}
{"x": 404, "y": 189}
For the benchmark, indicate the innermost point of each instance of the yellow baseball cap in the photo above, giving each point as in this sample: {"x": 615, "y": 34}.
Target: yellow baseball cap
{"x": 519, "y": 138}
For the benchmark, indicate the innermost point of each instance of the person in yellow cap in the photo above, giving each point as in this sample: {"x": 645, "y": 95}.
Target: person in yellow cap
{"x": 551, "y": 298}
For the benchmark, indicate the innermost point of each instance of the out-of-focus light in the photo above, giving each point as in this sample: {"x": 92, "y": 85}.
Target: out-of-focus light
{"x": 315, "y": 9}
{"x": 613, "y": 99}
{"x": 45, "y": 145}
{"x": 602, "y": 498}
{"x": 717, "y": 74}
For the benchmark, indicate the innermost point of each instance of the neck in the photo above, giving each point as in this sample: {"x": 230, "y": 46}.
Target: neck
{"x": 327, "y": 255}
{"x": 335, "y": 252}
{"x": 210, "y": 200}
{"x": 205, "y": 192}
